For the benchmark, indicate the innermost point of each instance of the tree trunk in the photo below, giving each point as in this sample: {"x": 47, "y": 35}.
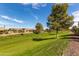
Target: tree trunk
{"x": 56, "y": 33}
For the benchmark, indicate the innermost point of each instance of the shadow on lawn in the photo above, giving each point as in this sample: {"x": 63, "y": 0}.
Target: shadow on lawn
{"x": 41, "y": 39}
{"x": 71, "y": 37}
{"x": 51, "y": 34}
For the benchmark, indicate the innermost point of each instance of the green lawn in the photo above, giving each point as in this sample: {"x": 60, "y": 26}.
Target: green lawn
{"x": 24, "y": 45}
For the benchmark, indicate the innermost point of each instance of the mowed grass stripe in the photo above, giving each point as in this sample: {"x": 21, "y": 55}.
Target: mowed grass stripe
{"x": 12, "y": 46}
{"x": 49, "y": 49}
{"x": 24, "y": 45}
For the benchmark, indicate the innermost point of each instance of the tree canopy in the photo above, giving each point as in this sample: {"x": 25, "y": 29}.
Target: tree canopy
{"x": 59, "y": 18}
{"x": 39, "y": 28}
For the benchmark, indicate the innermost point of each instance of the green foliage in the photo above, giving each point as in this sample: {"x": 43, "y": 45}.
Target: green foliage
{"x": 39, "y": 28}
{"x": 59, "y": 18}
{"x": 75, "y": 29}
{"x": 22, "y": 31}
{"x": 6, "y": 31}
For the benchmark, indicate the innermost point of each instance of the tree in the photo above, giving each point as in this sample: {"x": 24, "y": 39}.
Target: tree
{"x": 39, "y": 28}
{"x": 22, "y": 31}
{"x": 75, "y": 29}
{"x": 78, "y": 28}
{"x": 46, "y": 30}
{"x": 59, "y": 19}
{"x": 78, "y": 24}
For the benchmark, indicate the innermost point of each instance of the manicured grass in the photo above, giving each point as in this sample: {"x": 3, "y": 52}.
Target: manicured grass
{"x": 24, "y": 45}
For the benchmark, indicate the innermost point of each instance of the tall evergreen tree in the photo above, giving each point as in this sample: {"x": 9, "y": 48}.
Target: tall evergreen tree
{"x": 59, "y": 18}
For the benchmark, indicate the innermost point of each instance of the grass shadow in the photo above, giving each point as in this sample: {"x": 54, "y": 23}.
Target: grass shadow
{"x": 51, "y": 34}
{"x": 41, "y": 39}
{"x": 71, "y": 37}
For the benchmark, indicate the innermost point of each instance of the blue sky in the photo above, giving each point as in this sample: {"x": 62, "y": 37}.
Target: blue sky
{"x": 26, "y": 15}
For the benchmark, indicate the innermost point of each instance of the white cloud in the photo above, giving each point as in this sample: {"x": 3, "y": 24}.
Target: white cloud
{"x": 25, "y": 3}
{"x": 36, "y": 5}
{"x": 44, "y": 5}
{"x": 36, "y": 17}
{"x": 5, "y": 17}
{"x": 76, "y": 17}
{"x": 76, "y": 13}
{"x": 11, "y": 19}
{"x": 71, "y": 4}
{"x": 18, "y": 21}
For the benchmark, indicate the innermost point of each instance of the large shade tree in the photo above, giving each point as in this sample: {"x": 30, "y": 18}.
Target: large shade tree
{"x": 59, "y": 18}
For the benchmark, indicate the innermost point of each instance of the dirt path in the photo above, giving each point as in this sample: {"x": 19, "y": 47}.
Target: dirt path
{"x": 73, "y": 47}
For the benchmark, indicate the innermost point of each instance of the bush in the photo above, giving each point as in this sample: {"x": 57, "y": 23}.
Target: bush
{"x": 6, "y": 31}
{"x": 1, "y": 32}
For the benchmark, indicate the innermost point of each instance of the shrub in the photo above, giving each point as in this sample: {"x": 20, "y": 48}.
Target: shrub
{"x": 1, "y": 32}
{"x": 75, "y": 30}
